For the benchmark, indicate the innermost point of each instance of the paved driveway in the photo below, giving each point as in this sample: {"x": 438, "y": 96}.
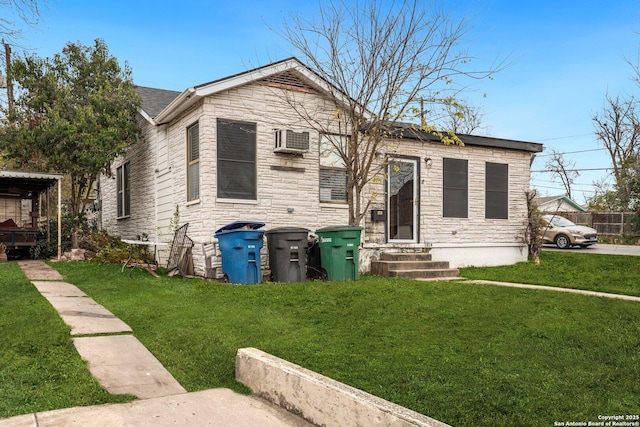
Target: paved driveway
{"x": 601, "y": 248}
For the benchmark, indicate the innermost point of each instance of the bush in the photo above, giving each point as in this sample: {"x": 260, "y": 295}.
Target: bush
{"x": 47, "y": 248}
{"x": 108, "y": 249}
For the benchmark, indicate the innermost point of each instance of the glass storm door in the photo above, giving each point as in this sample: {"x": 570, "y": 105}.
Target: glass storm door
{"x": 402, "y": 200}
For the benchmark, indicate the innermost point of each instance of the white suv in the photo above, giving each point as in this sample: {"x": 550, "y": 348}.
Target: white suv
{"x": 564, "y": 233}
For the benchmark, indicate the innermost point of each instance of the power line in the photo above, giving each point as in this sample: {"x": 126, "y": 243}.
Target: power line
{"x": 571, "y": 152}
{"x": 574, "y": 170}
{"x": 565, "y": 137}
{"x": 573, "y": 184}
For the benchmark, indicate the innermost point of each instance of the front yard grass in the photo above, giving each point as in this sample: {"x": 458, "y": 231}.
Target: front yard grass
{"x": 594, "y": 272}
{"x": 40, "y": 368}
{"x": 468, "y": 355}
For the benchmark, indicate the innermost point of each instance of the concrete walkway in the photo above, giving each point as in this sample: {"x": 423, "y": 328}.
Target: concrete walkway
{"x": 122, "y": 365}
{"x": 555, "y": 289}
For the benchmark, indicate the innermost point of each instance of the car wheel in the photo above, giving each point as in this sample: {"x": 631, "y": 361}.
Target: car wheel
{"x": 563, "y": 242}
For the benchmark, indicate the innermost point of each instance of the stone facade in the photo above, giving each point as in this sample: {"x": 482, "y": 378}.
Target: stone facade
{"x": 288, "y": 184}
{"x": 471, "y": 241}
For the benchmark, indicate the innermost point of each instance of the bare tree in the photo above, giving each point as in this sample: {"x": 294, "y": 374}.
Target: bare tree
{"x": 380, "y": 60}
{"x": 562, "y": 169}
{"x": 617, "y": 128}
{"x": 14, "y": 11}
{"x": 462, "y": 118}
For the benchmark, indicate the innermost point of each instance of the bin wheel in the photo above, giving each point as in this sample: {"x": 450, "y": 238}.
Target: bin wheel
{"x": 225, "y": 278}
{"x": 323, "y": 274}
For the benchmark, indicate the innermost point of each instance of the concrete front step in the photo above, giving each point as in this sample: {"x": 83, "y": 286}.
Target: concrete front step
{"x": 381, "y": 268}
{"x": 425, "y": 274}
{"x": 412, "y": 265}
{"x": 402, "y": 256}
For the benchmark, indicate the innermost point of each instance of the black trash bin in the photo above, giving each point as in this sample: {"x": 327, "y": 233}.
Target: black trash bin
{"x": 314, "y": 261}
{"x": 287, "y": 254}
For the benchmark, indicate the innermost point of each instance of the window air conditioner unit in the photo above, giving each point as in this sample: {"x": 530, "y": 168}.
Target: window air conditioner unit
{"x": 289, "y": 141}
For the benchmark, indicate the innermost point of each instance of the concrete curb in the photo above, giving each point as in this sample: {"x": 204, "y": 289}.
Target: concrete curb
{"x": 319, "y": 399}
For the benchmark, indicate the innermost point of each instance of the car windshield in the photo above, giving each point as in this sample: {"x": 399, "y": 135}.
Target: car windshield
{"x": 560, "y": 221}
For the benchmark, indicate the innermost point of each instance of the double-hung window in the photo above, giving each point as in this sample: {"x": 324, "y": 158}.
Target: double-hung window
{"x": 333, "y": 173}
{"x": 496, "y": 202}
{"x": 193, "y": 162}
{"x": 123, "y": 191}
{"x": 455, "y": 188}
{"x": 236, "y": 160}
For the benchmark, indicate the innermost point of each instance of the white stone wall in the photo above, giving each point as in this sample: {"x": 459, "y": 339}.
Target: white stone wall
{"x": 462, "y": 241}
{"x": 142, "y": 181}
{"x": 288, "y": 185}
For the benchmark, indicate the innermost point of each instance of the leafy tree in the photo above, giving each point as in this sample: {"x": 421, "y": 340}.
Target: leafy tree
{"x": 75, "y": 113}
{"x": 381, "y": 60}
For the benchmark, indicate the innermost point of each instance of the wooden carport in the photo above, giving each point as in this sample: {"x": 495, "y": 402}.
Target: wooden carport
{"x": 18, "y": 186}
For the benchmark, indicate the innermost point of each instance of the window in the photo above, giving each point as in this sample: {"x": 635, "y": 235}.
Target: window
{"x": 236, "y": 160}
{"x": 496, "y": 202}
{"x": 455, "y": 186}
{"x": 333, "y": 174}
{"x": 193, "y": 162}
{"x": 123, "y": 190}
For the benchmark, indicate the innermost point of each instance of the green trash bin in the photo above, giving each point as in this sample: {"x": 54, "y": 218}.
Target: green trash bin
{"x": 339, "y": 251}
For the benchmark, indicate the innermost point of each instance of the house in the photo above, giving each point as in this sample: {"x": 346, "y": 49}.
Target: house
{"x": 233, "y": 149}
{"x": 558, "y": 204}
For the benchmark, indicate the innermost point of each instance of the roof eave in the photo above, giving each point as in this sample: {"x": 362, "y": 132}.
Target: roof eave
{"x": 192, "y": 95}
{"x": 183, "y": 101}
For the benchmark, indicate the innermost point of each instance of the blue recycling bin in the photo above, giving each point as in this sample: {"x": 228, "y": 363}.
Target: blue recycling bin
{"x": 240, "y": 243}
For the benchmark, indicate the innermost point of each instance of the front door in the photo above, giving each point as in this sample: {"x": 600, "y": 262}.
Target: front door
{"x": 402, "y": 200}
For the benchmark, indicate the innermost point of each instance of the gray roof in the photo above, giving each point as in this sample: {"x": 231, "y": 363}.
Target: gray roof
{"x": 409, "y": 131}
{"x": 155, "y": 100}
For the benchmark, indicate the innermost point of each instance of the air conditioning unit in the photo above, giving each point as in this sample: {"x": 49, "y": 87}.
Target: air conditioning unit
{"x": 289, "y": 141}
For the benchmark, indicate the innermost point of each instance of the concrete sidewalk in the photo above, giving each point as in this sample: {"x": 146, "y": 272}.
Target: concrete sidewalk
{"x": 212, "y": 408}
{"x": 122, "y": 365}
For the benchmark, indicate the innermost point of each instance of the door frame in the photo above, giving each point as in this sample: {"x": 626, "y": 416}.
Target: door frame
{"x": 416, "y": 198}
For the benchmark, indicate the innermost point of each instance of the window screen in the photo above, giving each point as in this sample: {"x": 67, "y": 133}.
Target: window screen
{"x": 123, "y": 191}
{"x": 455, "y": 188}
{"x": 236, "y": 160}
{"x": 193, "y": 162}
{"x": 496, "y": 191}
{"x": 333, "y": 174}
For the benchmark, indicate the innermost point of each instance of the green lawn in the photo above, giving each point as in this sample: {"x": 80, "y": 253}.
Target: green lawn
{"x": 469, "y": 355}
{"x": 602, "y": 273}
{"x": 39, "y": 366}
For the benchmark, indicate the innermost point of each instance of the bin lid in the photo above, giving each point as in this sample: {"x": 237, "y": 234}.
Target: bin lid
{"x": 251, "y": 225}
{"x": 339, "y": 228}
{"x": 279, "y": 230}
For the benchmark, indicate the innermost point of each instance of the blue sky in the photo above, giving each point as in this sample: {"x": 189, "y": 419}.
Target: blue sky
{"x": 564, "y": 57}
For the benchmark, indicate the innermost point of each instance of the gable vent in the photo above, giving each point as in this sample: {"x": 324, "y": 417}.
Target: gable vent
{"x": 287, "y": 80}
{"x": 289, "y": 141}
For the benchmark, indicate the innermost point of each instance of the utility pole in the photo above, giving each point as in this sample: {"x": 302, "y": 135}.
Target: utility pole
{"x": 9, "y": 83}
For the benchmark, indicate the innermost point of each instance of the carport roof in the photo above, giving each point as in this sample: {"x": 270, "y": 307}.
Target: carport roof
{"x": 23, "y": 184}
